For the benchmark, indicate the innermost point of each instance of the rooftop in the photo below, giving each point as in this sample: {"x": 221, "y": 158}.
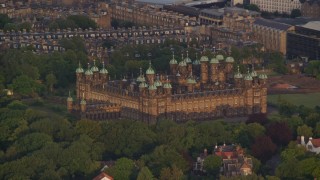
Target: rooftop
{"x": 271, "y": 24}
{"x": 215, "y": 12}
{"x": 314, "y": 25}
{"x": 296, "y": 21}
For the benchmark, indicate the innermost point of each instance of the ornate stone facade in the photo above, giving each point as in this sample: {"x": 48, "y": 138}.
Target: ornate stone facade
{"x": 198, "y": 90}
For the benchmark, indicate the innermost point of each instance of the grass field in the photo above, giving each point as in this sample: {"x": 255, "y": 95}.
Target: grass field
{"x": 309, "y": 100}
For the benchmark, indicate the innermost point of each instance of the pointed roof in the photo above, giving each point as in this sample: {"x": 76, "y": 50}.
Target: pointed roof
{"x": 229, "y": 59}
{"x": 220, "y": 57}
{"x": 141, "y": 77}
{"x": 88, "y": 71}
{"x": 83, "y": 101}
{"x": 248, "y": 76}
{"x": 94, "y": 67}
{"x": 152, "y": 87}
{"x": 196, "y": 61}
{"x": 214, "y": 61}
{"x": 167, "y": 84}
{"x": 191, "y": 79}
{"x": 187, "y": 59}
{"x": 315, "y": 142}
{"x": 103, "y": 176}
{"x": 238, "y": 75}
{"x": 143, "y": 85}
{"x": 245, "y": 165}
{"x": 79, "y": 69}
{"x": 204, "y": 59}
{"x": 263, "y": 75}
{"x": 173, "y": 60}
{"x": 183, "y": 62}
{"x": 103, "y": 70}
{"x": 253, "y": 73}
{"x": 150, "y": 69}
{"x": 158, "y": 83}
{"x": 69, "y": 99}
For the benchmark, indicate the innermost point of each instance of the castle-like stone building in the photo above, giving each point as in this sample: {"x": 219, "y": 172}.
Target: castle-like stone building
{"x": 198, "y": 90}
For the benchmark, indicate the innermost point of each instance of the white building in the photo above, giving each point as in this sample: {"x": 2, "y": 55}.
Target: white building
{"x": 235, "y": 2}
{"x": 281, "y": 6}
{"x": 313, "y": 145}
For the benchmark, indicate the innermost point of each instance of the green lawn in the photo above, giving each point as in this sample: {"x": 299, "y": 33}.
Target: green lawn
{"x": 309, "y": 100}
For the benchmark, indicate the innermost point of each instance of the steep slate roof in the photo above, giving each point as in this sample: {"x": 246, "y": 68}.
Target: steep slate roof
{"x": 311, "y": 2}
{"x": 315, "y": 25}
{"x": 271, "y": 24}
{"x": 215, "y": 12}
{"x": 316, "y": 142}
{"x": 103, "y": 176}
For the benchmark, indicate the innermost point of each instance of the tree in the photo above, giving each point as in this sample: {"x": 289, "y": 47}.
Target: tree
{"x": 307, "y": 167}
{"x": 130, "y": 138}
{"x": 145, "y": 174}
{"x": 263, "y": 148}
{"x": 51, "y": 80}
{"x": 10, "y": 27}
{"x": 312, "y": 119}
{"x": 316, "y": 172}
{"x": 179, "y": 137}
{"x": 295, "y": 13}
{"x": 286, "y": 108}
{"x": 209, "y": 133}
{"x": 317, "y": 130}
{"x": 173, "y": 173}
{"x": 24, "y": 26}
{"x": 123, "y": 169}
{"x": 246, "y": 134}
{"x": 84, "y": 22}
{"x": 293, "y": 122}
{"x": 313, "y": 68}
{"x": 280, "y": 133}
{"x": 165, "y": 156}
{"x": 292, "y": 152}
{"x": 24, "y": 85}
{"x": 252, "y": 7}
{"x": 260, "y": 118}
{"x": 30, "y": 142}
{"x": 90, "y": 128}
{"x": 288, "y": 169}
{"x": 76, "y": 158}
{"x": 4, "y": 19}
{"x": 212, "y": 164}
{"x": 305, "y": 131}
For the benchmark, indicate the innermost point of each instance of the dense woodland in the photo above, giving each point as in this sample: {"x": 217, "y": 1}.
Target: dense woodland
{"x": 40, "y": 140}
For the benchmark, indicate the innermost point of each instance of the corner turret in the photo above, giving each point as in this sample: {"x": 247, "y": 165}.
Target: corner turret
{"x": 150, "y": 74}
{"x": 69, "y": 103}
{"x": 204, "y": 69}
{"x": 173, "y": 64}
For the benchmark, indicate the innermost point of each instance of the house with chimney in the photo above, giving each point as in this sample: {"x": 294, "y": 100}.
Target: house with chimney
{"x": 234, "y": 161}
{"x": 103, "y": 176}
{"x": 313, "y": 145}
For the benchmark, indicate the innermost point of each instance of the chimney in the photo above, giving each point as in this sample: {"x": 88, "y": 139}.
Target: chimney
{"x": 302, "y": 141}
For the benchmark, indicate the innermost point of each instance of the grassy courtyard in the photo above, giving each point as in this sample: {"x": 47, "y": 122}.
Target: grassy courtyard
{"x": 309, "y": 100}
